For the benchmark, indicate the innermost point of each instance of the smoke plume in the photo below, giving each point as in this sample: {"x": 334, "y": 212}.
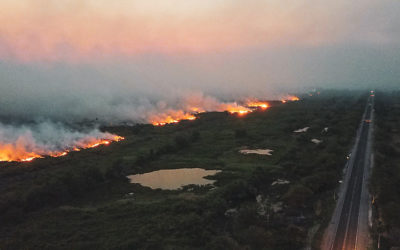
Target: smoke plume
{"x": 25, "y": 142}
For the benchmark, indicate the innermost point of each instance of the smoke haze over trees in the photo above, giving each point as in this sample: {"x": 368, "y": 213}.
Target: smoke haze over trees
{"x": 128, "y": 61}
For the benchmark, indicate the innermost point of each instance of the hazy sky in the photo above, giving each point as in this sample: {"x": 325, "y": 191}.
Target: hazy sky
{"x": 79, "y": 55}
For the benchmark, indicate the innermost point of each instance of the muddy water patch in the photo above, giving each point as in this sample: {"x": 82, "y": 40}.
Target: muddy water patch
{"x": 173, "y": 179}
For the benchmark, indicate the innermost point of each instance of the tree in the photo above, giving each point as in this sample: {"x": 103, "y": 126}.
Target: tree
{"x": 297, "y": 195}
{"x": 181, "y": 141}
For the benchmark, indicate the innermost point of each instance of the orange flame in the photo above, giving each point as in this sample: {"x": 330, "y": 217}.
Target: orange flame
{"x": 239, "y": 110}
{"x": 59, "y": 154}
{"x": 258, "y": 104}
{"x": 292, "y": 98}
{"x": 10, "y": 152}
{"x": 16, "y": 152}
{"x": 31, "y": 158}
{"x": 172, "y": 117}
{"x": 234, "y": 108}
{"x": 175, "y": 116}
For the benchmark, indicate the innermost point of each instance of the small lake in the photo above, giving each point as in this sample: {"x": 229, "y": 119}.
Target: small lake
{"x": 173, "y": 178}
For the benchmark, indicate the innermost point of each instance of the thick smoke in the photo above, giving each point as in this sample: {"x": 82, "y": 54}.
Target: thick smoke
{"x": 45, "y": 111}
{"x": 138, "y": 62}
{"x": 21, "y": 142}
{"x": 73, "y": 94}
{"x": 110, "y": 95}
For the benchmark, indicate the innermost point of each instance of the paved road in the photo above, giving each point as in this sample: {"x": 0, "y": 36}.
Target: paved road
{"x": 349, "y": 224}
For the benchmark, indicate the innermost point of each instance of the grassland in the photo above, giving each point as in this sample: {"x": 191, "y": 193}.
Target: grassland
{"x": 81, "y": 201}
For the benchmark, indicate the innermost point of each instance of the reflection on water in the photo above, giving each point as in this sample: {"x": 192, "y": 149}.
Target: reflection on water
{"x": 173, "y": 178}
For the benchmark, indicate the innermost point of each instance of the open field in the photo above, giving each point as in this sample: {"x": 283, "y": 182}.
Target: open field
{"x": 81, "y": 201}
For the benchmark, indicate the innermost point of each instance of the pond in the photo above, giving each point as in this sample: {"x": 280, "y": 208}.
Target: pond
{"x": 173, "y": 178}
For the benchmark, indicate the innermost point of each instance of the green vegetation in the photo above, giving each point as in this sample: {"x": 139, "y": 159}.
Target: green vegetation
{"x": 83, "y": 200}
{"x": 385, "y": 177}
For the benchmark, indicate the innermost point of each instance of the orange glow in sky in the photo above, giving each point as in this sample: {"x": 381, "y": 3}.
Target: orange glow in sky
{"x": 83, "y": 29}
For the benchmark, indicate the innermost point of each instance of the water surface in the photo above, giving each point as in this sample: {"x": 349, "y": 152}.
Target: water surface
{"x": 173, "y": 178}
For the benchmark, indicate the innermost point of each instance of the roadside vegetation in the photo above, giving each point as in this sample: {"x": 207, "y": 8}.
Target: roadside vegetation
{"x": 385, "y": 177}
{"x": 84, "y": 200}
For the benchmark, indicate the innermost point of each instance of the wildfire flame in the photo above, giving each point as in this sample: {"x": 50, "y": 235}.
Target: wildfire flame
{"x": 175, "y": 116}
{"x": 17, "y": 152}
{"x": 234, "y": 108}
{"x": 292, "y": 98}
{"x": 258, "y": 104}
{"x": 31, "y": 158}
{"x": 239, "y": 110}
{"x": 171, "y": 117}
